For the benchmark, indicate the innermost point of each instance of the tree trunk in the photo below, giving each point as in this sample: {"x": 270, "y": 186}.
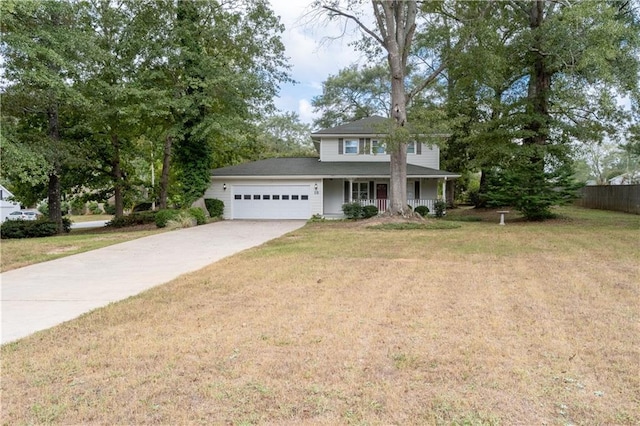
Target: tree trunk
{"x": 539, "y": 81}
{"x": 54, "y": 193}
{"x": 116, "y": 174}
{"x": 164, "y": 178}
{"x": 398, "y": 154}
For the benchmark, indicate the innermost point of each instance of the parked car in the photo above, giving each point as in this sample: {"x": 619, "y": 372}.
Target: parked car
{"x": 24, "y": 215}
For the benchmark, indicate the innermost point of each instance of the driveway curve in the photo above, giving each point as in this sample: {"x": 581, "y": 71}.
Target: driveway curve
{"x": 41, "y": 296}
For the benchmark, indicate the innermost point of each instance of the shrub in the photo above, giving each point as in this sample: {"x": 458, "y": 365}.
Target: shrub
{"x": 198, "y": 214}
{"x": 94, "y": 208}
{"x": 109, "y": 208}
{"x": 422, "y": 210}
{"x": 352, "y": 210}
{"x": 133, "y": 219}
{"x": 316, "y": 218}
{"x": 214, "y": 206}
{"x": 32, "y": 228}
{"x": 369, "y": 211}
{"x": 44, "y": 209}
{"x": 142, "y": 207}
{"x": 440, "y": 208}
{"x": 77, "y": 206}
{"x": 183, "y": 219}
{"x": 66, "y": 224}
{"x": 164, "y": 216}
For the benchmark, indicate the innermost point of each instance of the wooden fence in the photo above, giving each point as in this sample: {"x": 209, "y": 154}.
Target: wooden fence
{"x": 623, "y": 198}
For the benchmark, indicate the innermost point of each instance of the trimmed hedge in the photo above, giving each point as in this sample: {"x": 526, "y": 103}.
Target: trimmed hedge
{"x": 422, "y": 210}
{"x": 352, "y": 210}
{"x": 369, "y": 211}
{"x": 140, "y": 218}
{"x": 32, "y": 228}
{"x": 214, "y": 206}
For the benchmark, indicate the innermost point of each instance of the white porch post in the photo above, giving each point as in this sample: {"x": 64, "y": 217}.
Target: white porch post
{"x": 444, "y": 190}
{"x": 351, "y": 190}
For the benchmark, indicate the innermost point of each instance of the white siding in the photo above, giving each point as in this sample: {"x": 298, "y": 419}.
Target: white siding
{"x": 429, "y": 157}
{"x": 216, "y": 190}
{"x": 428, "y": 189}
{"x": 333, "y": 195}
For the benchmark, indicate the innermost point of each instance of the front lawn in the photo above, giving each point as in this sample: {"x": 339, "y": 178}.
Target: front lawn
{"x": 337, "y": 323}
{"x": 23, "y": 252}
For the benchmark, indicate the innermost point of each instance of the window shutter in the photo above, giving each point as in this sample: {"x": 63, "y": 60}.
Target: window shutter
{"x": 416, "y": 189}
{"x": 361, "y": 149}
{"x": 340, "y": 146}
{"x": 418, "y": 148}
{"x": 367, "y": 145}
{"x": 371, "y": 189}
{"x": 346, "y": 191}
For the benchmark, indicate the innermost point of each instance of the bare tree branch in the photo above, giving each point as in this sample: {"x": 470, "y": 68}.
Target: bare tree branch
{"x": 338, "y": 12}
{"x": 426, "y": 81}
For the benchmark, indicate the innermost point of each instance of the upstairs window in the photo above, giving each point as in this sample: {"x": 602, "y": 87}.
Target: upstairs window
{"x": 378, "y": 147}
{"x": 350, "y": 146}
{"x": 411, "y": 148}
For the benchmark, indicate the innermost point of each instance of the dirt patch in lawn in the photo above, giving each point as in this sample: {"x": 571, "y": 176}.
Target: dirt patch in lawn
{"x": 60, "y": 250}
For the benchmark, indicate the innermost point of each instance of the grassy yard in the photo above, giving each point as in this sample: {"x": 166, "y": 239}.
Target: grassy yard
{"x": 530, "y": 323}
{"x": 22, "y": 252}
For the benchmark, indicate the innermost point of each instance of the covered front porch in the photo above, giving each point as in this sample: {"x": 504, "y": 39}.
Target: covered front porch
{"x": 375, "y": 192}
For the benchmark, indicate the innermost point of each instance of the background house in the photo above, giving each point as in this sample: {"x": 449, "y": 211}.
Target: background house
{"x": 6, "y": 205}
{"x": 352, "y": 166}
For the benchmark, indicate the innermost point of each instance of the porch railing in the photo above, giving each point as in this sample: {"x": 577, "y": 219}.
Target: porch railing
{"x": 382, "y": 204}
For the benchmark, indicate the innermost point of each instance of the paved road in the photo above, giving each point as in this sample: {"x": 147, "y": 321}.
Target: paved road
{"x": 46, "y": 294}
{"x": 90, "y": 224}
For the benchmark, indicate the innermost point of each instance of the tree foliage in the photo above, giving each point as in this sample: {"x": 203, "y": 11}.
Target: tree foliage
{"x": 102, "y": 89}
{"x": 517, "y": 85}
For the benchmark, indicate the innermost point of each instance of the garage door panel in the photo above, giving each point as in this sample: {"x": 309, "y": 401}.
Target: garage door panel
{"x": 271, "y": 202}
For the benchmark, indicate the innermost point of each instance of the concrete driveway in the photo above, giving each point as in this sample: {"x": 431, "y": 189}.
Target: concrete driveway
{"x": 40, "y": 296}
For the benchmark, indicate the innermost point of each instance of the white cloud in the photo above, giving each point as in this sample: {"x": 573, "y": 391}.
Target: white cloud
{"x": 305, "y": 110}
{"x": 313, "y": 57}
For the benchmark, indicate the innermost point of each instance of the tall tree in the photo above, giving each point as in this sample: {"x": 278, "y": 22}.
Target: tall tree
{"x": 42, "y": 45}
{"x": 283, "y": 135}
{"x": 393, "y": 31}
{"x": 577, "y": 58}
{"x": 210, "y": 68}
{"x": 354, "y": 93}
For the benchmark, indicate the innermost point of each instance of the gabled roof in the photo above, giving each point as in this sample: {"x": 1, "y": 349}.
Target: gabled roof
{"x": 312, "y": 168}
{"x": 364, "y": 126}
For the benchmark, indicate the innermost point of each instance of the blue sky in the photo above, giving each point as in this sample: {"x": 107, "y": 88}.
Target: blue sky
{"x": 312, "y": 56}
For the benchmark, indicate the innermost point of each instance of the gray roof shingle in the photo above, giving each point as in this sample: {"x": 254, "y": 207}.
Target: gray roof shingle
{"x": 312, "y": 167}
{"x": 364, "y": 126}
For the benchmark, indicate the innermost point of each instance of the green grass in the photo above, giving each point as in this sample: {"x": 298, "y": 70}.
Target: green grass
{"x": 412, "y": 226}
{"x": 23, "y": 252}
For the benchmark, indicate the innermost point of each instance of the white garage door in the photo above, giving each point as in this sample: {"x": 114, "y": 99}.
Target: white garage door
{"x": 271, "y": 202}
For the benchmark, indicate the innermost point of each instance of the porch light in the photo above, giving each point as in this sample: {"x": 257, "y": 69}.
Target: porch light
{"x": 315, "y": 187}
{"x": 224, "y": 186}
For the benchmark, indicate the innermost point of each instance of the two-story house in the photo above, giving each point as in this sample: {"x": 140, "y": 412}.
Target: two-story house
{"x": 353, "y": 166}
